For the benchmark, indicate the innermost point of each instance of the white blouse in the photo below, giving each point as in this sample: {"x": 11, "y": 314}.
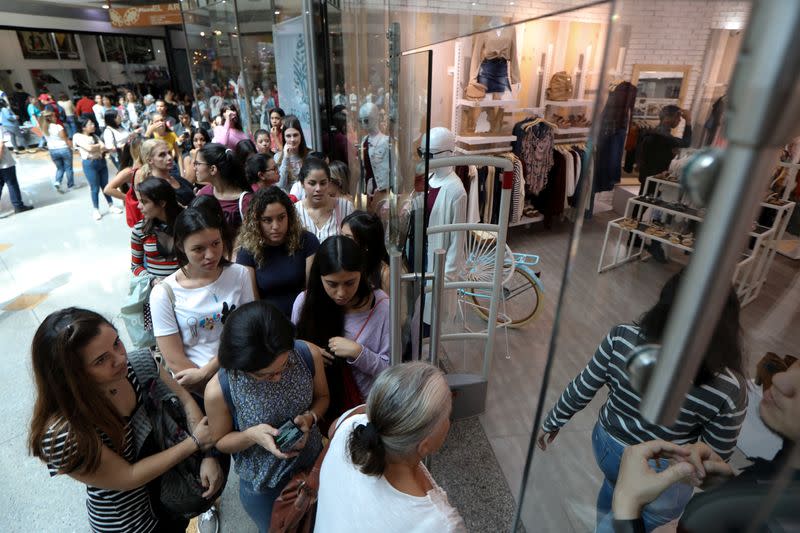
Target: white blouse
{"x": 333, "y": 226}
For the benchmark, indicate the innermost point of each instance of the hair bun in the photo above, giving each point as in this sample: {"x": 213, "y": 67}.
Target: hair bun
{"x": 368, "y": 434}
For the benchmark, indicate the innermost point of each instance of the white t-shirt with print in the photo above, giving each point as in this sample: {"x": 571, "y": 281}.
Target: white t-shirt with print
{"x": 371, "y": 503}
{"x": 199, "y": 312}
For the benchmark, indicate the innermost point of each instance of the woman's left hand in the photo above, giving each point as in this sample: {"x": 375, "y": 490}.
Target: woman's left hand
{"x": 304, "y": 423}
{"x": 211, "y": 476}
{"x": 341, "y": 347}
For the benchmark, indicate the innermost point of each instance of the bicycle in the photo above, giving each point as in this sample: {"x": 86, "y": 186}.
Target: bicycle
{"x": 522, "y": 292}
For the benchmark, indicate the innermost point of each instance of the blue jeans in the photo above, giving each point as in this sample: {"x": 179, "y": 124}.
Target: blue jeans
{"x": 8, "y": 176}
{"x": 664, "y": 509}
{"x": 258, "y": 505}
{"x": 72, "y": 126}
{"x": 62, "y": 157}
{"x": 96, "y": 173}
{"x": 17, "y": 138}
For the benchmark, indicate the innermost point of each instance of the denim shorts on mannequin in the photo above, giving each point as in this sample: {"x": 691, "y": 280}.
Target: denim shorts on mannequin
{"x": 493, "y": 73}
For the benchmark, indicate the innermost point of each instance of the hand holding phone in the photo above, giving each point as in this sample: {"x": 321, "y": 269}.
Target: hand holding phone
{"x": 289, "y": 435}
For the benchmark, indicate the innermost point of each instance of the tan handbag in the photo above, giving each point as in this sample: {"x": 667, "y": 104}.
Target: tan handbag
{"x": 560, "y": 88}
{"x": 475, "y": 91}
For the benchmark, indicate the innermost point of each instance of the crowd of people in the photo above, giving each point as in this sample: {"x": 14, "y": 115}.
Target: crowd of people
{"x": 265, "y": 309}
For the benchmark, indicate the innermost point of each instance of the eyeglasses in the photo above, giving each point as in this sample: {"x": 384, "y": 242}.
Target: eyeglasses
{"x": 272, "y": 375}
{"x": 273, "y": 170}
{"x": 196, "y": 163}
{"x": 422, "y": 154}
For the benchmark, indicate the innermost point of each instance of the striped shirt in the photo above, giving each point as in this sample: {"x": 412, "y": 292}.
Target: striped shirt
{"x": 146, "y": 257}
{"x": 712, "y": 413}
{"x": 109, "y": 510}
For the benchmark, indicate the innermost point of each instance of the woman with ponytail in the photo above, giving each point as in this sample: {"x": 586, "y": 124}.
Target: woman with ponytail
{"x": 378, "y": 457}
{"x": 223, "y": 177}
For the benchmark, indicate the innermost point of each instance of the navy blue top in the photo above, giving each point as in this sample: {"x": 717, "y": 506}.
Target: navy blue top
{"x": 281, "y": 277}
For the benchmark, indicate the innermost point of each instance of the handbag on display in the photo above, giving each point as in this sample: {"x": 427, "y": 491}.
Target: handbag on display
{"x": 135, "y": 310}
{"x": 295, "y": 509}
{"x": 475, "y": 91}
{"x": 163, "y": 416}
{"x": 560, "y": 88}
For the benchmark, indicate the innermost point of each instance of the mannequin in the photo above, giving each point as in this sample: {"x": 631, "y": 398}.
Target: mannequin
{"x": 447, "y": 202}
{"x": 353, "y": 99}
{"x": 374, "y": 152}
{"x": 495, "y": 65}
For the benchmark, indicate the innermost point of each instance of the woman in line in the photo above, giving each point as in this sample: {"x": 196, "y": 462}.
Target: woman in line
{"x": 267, "y": 378}
{"x": 152, "y": 241}
{"x": 276, "y": 116}
{"x": 199, "y": 138}
{"x": 115, "y": 136}
{"x": 159, "y": 130}
{"x": 86, "y": 390}
{"x": 263, "y": 142}
{"x": 94, "y": 164}
{"x": 244, "y": 149}
{"x": 275, "y": 245}
{"x": 341, "y": 313}
{"x": 60, "y": 148}
{"x": 158, "y": 163}
{"x": 217, "y": 168}
{"x": 340, "y": 181}
{"x": 318, "y": 212}
{"x": 133, "y": 108}
{"x": 712, "y": 413}
{"x": 230, "y": 133}
{"x": 367, "y": 230}
{"x": 292, "y": 153}
{"x": 261, "y": 171}
{"x": 378, "y": 456}
{"x": 122, "y": 185}
{"x": 190, "y": 306}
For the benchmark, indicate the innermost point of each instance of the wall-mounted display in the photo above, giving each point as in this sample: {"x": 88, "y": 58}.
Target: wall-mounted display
{"x": 139, "y": 49}
{"x": 135, "y": 50}
{"x": 37, "y": 45}
{"x": 66, "y": 45}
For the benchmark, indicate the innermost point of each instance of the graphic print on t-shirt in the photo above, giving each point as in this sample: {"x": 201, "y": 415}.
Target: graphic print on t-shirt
{"x": 209, "y": 322}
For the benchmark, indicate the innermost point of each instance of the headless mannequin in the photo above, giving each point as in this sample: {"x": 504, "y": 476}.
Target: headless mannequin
{"x": 375, "y": 154}
{"x": 495, "y": 115}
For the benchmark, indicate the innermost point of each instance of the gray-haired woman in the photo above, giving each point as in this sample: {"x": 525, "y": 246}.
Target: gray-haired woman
{"x": 378, "y": 457}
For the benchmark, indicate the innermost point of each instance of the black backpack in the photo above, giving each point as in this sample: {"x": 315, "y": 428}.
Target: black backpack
{"x": 181, "y": 492}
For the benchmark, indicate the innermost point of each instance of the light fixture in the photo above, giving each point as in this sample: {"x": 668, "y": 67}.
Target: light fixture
{"x": 106, "y": 6}
{"x": 277, "y": 12}
{"x": 202, "y": 34}
{"x": 217, "y": 32}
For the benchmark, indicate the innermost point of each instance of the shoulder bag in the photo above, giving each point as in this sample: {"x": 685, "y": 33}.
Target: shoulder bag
{"x": 133, "y": 312}
{"x": 180, "y": 488}
{"x": 295, "y": 510}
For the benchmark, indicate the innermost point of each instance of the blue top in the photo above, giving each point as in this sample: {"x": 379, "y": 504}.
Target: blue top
{"x": 8, "y": 118}
{"x": 281, "y": 277}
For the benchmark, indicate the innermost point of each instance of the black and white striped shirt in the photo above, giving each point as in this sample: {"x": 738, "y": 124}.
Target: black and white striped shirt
{"x": 109, "y": 510}
{"x": 712, "y": 413}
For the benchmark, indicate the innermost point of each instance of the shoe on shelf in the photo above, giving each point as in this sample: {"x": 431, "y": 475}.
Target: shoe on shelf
{"x": 96, "y": 215}
{"x": 23, "y": 208}
{"x": 208, "y": 522}
{"x": 114, "y": 210}
{"x": 655, "y": 249}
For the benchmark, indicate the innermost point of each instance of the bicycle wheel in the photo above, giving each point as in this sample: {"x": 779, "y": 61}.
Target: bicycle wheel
{"x": 521, "y": 296}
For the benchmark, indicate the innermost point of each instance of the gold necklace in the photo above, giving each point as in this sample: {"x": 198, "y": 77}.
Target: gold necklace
{"x": 316, "y": 220}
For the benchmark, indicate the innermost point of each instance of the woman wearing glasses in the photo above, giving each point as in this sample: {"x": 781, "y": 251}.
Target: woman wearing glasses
{"x": 276, "y": 246}
{"x": 268, "y": 380}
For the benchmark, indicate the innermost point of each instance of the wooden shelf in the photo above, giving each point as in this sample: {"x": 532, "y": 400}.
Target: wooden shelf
{"x": 483, "y": 151}
{"x": 571, "y": 131}
{"x": 569, "y": 103}
{"x": 478, "y": 140}
{"x": 527, "y": 220}
{"x": 487, "y": 103}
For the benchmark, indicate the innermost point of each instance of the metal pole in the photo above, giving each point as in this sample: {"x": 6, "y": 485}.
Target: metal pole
{"x": 497, "y": 277}
{"x": 396, "y": 321}
{"x": 439, "y": 258}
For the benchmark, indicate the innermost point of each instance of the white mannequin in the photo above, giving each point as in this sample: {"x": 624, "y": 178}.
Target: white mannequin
{"x": 377, "y": 144}
{"x": 450, "y": 207}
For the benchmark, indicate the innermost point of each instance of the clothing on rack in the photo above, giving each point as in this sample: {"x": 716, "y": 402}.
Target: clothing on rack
{"x": 614, "y": 121}
{"x": 713, "y": 123}
{"x": 534, "y": 147}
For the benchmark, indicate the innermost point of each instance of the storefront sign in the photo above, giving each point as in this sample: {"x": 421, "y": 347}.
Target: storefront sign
{"x": 155, "y": 15}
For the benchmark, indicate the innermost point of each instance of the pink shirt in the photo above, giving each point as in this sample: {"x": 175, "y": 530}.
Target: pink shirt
{"x": 228, "y": 136}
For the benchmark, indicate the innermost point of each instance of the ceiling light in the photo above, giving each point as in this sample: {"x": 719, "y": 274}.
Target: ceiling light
{"x": 106, "y": 6}
{"x": 202, "y": 34}
{"x": 217, "y": 32}
{"x": 277, "y": 12}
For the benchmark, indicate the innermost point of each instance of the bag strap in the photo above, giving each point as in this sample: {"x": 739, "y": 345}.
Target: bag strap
{"x": 241, "y": 202}
{"x": 371, "y": 311}
{"x": 143, "y": 364}
{"x": 225, "y": 385}
{"x": 302, "y": 349}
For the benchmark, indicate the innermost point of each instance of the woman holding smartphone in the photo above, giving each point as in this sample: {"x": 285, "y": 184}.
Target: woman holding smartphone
{"x": 267, "y": 380}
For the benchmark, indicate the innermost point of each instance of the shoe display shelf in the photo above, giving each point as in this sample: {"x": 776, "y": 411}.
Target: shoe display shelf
{"x": 619, "y": 245}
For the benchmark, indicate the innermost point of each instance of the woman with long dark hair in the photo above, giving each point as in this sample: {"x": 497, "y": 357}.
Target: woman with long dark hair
{"x": 276, "y": 116}
{"x": 348, "y": 319}
{"x": 224, "y": 179}
{"x": 292, "y": 154}
{"x": 86, "y": 394}
{"x": 367, "y": 230}
{"x": 152, "y": 243}
{"x": 190, "y": 306}
{"x": 60, "y": 147}
{"x": 115, "y": 136}
{"x": 267, "y": 379}
{"x": 231, "y": 131}
{"x": 320, "y": 213}
{"x": 95, "y": 169}
{"x": 198, "y": 137}
{"x": 712, "y": 413}
{"x": 276, "y": 246}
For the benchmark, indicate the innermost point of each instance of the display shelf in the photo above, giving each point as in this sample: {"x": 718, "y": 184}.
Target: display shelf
{"x": 789, "y": 248}
{"x": 487, "y": 103}
{"x": 569, "y": 103}
{"x": 527, "y": 220}
{"x": 478, "y": 139}
{"x": 640, "y": 230}
{"x": 483, "y": 151}
{"x": 571, "y": 131}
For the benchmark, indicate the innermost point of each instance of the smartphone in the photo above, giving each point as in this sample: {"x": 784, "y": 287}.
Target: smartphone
{"x": 289, "y": 435}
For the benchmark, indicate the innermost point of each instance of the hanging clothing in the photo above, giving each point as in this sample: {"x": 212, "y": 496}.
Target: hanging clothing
{"x": 614, "y": 121}
{"x": 713, "y": 123}
{"x": 534, "y": 147}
